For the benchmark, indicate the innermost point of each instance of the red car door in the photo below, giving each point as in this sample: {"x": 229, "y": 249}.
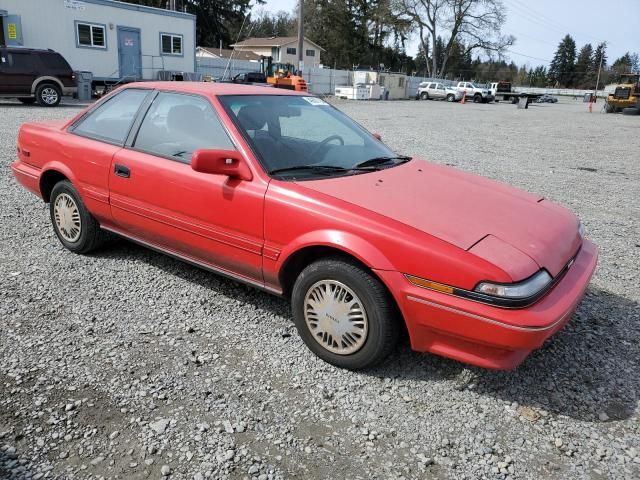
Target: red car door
{"x": 157, "y": 198}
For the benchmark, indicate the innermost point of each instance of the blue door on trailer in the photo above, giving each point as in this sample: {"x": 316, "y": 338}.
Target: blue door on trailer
{"x": 129, "y": 53}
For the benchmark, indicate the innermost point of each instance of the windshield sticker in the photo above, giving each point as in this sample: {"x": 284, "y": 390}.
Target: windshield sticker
{"x": 315, "y": 101}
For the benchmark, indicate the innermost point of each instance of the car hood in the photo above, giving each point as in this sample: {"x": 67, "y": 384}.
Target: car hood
{"x": 523, "y": 232}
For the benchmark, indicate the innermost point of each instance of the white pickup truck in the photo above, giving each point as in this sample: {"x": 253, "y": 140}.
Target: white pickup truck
{"x": 477, "y": 94}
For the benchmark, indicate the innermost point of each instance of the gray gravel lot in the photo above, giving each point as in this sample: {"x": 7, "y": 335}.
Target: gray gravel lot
{"x": 129, "y": 364}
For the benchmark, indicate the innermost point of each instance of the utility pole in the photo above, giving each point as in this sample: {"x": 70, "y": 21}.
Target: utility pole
{"x": 300, "y": 37}
{"x": 595, "y": 90}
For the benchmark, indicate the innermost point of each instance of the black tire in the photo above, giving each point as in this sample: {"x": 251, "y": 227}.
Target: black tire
{"x": 477, "y": 98}
{"x": 451, "y": 97}
{"x": 631, "y": 111}
{"x": 381, "y": 313}
{"x": 424, "y": 96}
{"x": 48, "y": 94}
{"x": 90, "y": 236}
{"x": 27, "y": 100}
{"x": 514, "y": 100}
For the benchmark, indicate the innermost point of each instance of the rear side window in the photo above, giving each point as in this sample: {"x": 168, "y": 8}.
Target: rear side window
{"x": 23, "y": 62}
{"x": 54, "y": 61}
{"x": 112, "y": 120}
{"x": 177, "y": 125}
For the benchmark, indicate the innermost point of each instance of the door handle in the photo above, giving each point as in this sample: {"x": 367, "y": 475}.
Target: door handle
{"x": 122, "y": 171}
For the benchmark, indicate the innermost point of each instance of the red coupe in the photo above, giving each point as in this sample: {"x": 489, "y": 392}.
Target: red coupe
{"x": 281, "y": 190}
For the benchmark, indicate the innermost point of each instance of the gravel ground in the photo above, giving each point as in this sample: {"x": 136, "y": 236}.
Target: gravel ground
{"x": 129, "y": 364}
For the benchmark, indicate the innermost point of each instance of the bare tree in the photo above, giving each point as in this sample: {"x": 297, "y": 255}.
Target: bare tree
{"x": 476, "y": 24}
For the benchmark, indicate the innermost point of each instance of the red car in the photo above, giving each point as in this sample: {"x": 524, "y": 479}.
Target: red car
{"x": 280, "y": 190}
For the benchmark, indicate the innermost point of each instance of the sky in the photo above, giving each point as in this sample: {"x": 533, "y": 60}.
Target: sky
{"x": 539, "y": 26}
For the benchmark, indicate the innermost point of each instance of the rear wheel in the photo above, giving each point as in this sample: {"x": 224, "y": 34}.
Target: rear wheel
{"x": 344, "y": 314}
{"x": 424, "y": 96}
{"x": 451, "y": 97}
{"x": 48, "y": 95}
{"x": 75, "y": 227}
{"x": 27, "y": 100}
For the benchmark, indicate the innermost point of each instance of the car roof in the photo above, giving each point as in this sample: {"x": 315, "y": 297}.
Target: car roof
{"x": 19, "y": 48}
{"x": 209, "y": 88}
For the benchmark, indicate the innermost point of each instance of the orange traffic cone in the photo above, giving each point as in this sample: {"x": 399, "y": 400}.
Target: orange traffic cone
{"x": 590, "y": 107}
{"x": 464, "y": 97}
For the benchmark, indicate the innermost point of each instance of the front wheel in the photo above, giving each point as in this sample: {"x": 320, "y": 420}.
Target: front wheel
{"x": 344, "y": 314}
{"x": 477, "y": 98}
{"x": 451, "y": 97}
{"x": 424, "y": 96}
{"x": 75, "y": 227}
{"x": 48, "y": 95}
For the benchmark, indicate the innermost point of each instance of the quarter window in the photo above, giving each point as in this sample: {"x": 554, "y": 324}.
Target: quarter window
{"x": 91, "y": 35}
{"x": 177, "y": 125}
{"x": 21, "y": 62}
{"x": 112, "y": 120}
{"x": 170, "y": 44}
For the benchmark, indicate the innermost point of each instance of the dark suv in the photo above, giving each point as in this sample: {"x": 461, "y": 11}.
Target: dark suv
{"x": 35, "y": 75}
{"x": 250, "y": 77}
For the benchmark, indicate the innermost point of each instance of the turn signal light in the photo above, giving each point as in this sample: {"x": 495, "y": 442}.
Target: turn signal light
{"x": 424, "y": 283}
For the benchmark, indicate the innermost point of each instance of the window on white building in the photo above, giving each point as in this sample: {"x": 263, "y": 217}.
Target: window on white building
{"x": 91, "y": 35}
{"x": 170, "y": 44}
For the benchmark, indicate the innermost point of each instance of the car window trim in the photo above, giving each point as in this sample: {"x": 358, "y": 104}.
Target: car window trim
{"x": 72, "y": 128}
{"x": 133, "y": 133}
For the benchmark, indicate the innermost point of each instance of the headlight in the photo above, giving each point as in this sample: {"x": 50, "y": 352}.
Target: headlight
{"x": 525, "y": 289}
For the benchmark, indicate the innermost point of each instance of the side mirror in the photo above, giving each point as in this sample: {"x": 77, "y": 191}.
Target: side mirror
{"x": 377, "y": 136}
{"x": 221, "y": 162}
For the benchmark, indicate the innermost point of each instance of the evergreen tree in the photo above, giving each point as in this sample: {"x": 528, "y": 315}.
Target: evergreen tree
{"x": 584, "y": 66}
{"x": 562, "y": 68}
{"x": 622, "y": 65}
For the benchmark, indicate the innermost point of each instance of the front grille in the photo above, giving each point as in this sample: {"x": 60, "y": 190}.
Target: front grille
{"x": 622, "y": 93}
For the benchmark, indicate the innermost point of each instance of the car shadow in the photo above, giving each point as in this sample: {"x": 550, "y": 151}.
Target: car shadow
{"x": 589, "y": 371}
{"x": 35, "y": 105}
{"x": 122, "y": 249}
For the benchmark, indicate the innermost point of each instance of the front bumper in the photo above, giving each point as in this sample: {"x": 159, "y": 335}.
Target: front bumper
{"x": 483, "y": 335}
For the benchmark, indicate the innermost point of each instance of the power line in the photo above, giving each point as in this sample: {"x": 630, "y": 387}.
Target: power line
{"x": 548, "y": 22}
{"x": 528, "y": 56}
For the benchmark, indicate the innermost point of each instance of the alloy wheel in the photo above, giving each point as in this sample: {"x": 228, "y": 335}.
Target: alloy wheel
{"x": 49, "y": 95}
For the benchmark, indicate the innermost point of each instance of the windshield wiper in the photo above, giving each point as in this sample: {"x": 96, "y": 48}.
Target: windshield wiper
{"x": 366, "y": 166}
{"x": 375, "y": 161}
{"x": 319, "y": 168}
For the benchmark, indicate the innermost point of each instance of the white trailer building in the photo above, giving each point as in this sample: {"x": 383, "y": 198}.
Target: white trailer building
{"x": 115, "y": 41}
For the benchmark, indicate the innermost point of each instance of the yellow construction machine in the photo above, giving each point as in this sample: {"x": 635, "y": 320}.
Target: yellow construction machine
{"x": 626, "y": 96}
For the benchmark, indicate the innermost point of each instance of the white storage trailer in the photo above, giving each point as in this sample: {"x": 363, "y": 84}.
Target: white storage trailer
{"x": 115, "y": 41}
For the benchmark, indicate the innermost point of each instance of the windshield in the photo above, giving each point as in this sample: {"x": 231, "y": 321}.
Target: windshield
{"x": 295, "y": 136}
